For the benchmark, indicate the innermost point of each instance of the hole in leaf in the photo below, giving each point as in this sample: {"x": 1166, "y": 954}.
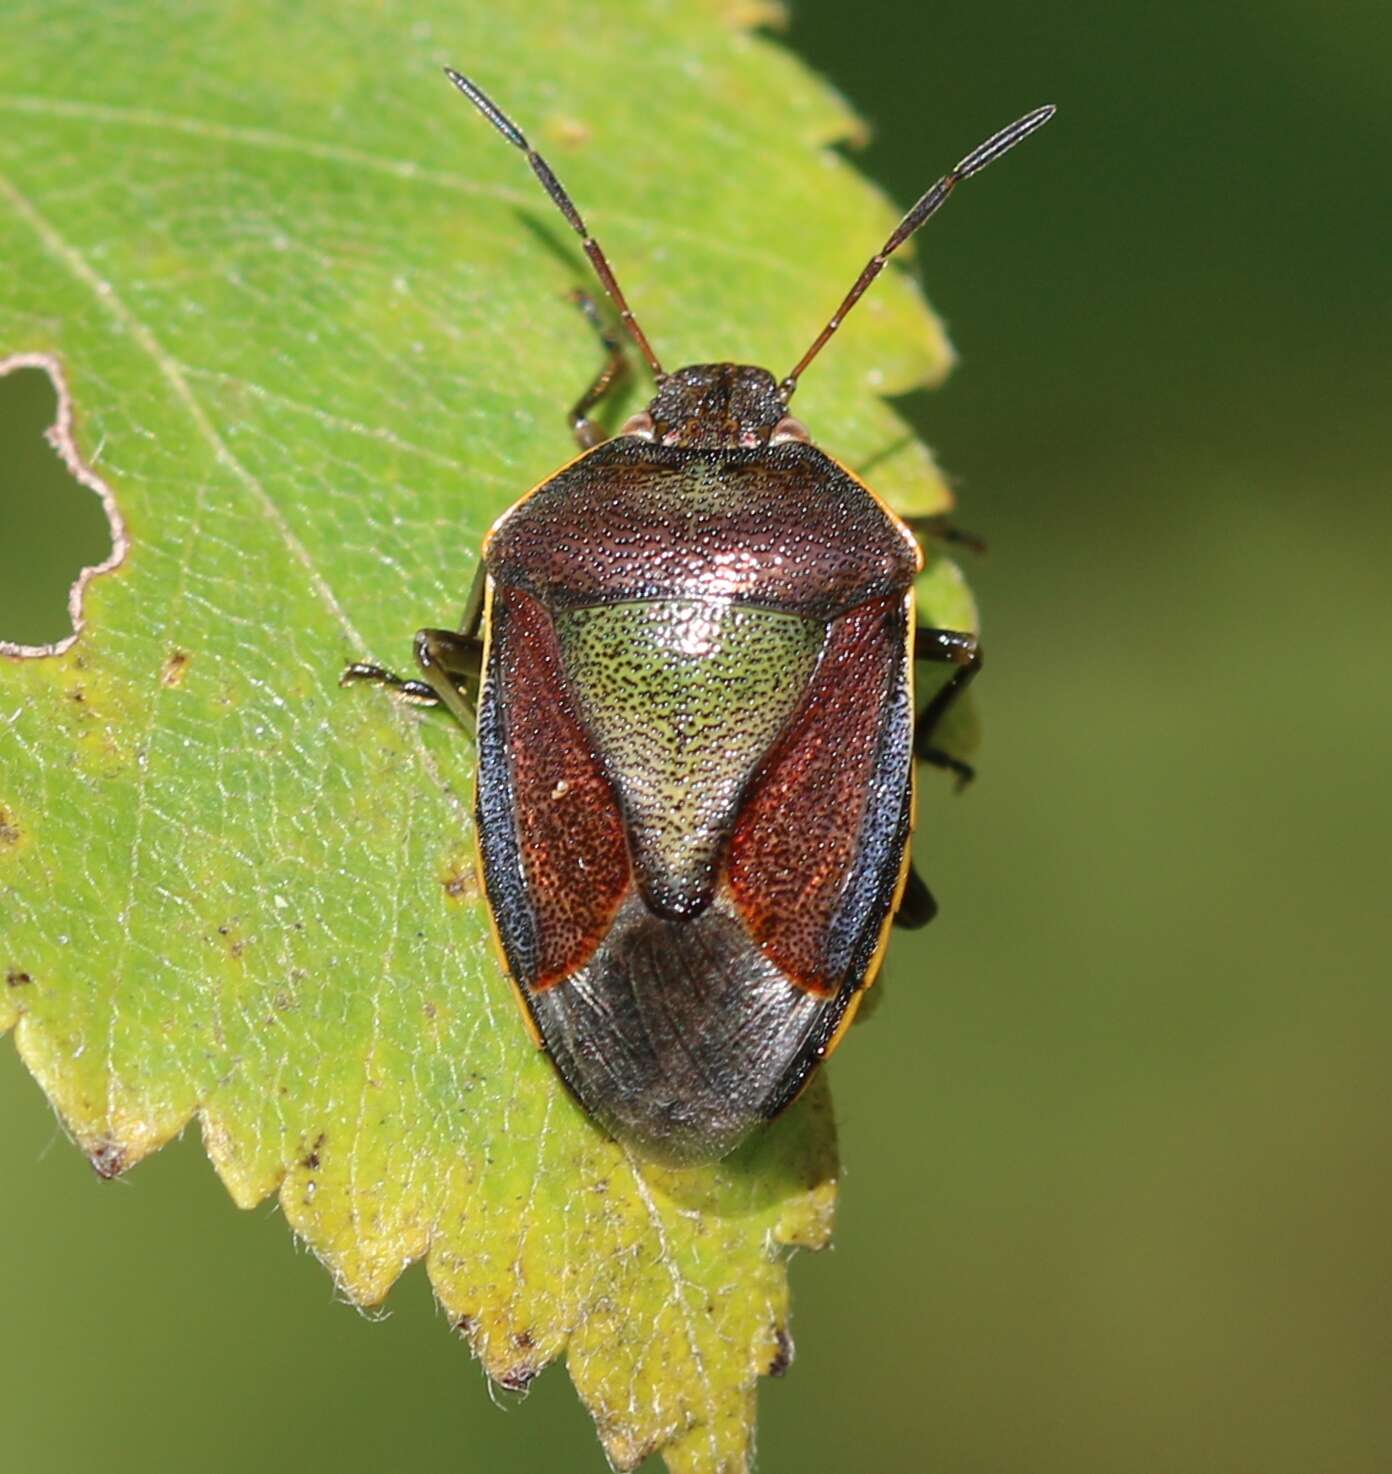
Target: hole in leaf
{"x": 54, "y": 533}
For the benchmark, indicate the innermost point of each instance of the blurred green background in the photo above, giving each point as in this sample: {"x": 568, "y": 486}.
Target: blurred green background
{"x": 1116, "y": 1141}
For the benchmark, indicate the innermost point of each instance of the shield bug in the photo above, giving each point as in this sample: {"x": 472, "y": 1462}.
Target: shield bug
{"x": 688, "y": 659}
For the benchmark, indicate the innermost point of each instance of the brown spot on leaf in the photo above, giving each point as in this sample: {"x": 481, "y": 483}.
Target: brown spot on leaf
{"x": 9, "y": 828}
{"x": 459, "y": 884}
{"x": 235, "y": 944}
{"x": 458, "y": 875}
{"x": 108, "y": 1159}
{"x": 783, "y": 1356}
{"x": 518, "y": 1378}
{"x": 17, "y": 979}
{"x": 175, "y": 664}
{"x": 465, "y": 1324}
{"x": 311, "y": 1162}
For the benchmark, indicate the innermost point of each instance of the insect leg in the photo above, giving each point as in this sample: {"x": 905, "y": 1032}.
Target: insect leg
{"x": 937, "y": 526}
{"x": 615, "y": 369}
{"x": 951, "y": 647}
{"x": 451, "y": 664}
{"x": 412, "y": 693}
{"x": 472, "y": 621}
{"x": 917, "y": 908}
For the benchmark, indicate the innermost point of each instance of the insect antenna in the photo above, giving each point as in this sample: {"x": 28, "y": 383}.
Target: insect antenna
{"x": 563, "y": 203}
{"x": 928, "y": 206}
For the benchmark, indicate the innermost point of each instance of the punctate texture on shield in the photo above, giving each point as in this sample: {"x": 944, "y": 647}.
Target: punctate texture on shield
{"x": 694, "y": 879}
{"x": 783, "y": 527}
{"x": 683, "y": 697}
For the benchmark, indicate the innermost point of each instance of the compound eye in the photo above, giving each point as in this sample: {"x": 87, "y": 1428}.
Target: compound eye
{"x": 640, "y": 426}
{"x": 788, "y": 429}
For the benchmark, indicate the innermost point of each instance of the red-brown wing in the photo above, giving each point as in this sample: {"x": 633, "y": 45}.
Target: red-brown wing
{"x": 570, "y": 831}
{"x": 829, "y": 801}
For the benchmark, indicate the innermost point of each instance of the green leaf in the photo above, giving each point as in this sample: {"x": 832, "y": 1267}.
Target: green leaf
{"x": 309, "y": 316}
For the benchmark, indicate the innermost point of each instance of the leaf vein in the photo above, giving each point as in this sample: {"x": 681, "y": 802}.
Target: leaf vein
{"x": 404, "y": 169}
{"x": 668, "y": 1261}
{"x": 76, "y": 264}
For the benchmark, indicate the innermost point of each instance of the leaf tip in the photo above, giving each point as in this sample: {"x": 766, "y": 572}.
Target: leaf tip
{"x": 108, "y": 1158}
{"x": 749, "y": 15}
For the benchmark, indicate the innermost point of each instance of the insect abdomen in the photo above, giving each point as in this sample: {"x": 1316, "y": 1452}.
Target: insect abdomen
{"x": 681, "y": 1027}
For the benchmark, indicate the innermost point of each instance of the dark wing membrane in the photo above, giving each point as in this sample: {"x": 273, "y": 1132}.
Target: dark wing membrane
{"x": 817, "y": 849}
{"x": 680, "y": 1036}
{"x": 551, "y": 834}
